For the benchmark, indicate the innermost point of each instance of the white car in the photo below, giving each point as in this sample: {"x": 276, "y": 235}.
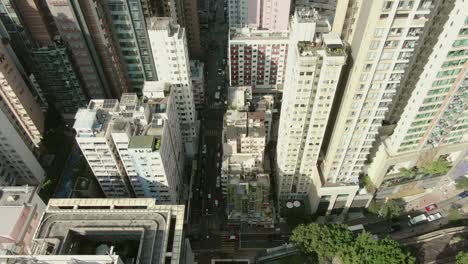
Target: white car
{"x": 434, "y": 217}
{"x": 219, "y": 87}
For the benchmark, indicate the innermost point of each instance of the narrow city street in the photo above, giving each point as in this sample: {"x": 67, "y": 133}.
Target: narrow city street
{"x": 208, "y": 215}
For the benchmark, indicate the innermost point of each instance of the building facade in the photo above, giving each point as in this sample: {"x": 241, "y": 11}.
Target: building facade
{"x": 271, "y": 15}
{"x": 428, "y": 120}
{"x": 16, "y": 99}
{"x": 170, "y": 52}
{"x": 314, "y": 67}
{"x": 381, "y": 52}
{"x": 74, "y": 32}
{"x": 55, "y": 73}
{"x": 22, "y": 209}
{"x": 257, "y": 58}
{"x": 197, "y": 69}
{"x": 133, "y": 147}
{"x": 129, "y": 29}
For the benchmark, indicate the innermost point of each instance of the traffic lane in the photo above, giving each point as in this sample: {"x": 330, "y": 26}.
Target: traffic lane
{"x": 263, "y": 240}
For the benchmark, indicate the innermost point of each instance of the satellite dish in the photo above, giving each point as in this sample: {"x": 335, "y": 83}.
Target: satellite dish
{"x": 297, "y": 203}
{"x": 289, "y": 205}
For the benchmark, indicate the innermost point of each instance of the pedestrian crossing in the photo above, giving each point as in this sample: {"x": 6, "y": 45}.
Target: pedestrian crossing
{"x": 228, "y": 246}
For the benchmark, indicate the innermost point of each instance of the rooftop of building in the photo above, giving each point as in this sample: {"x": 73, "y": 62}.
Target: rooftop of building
{"x": 250, "y": 33}
{"x": 139, "y": 230}
{"x": 331, "y": 43}
{"x": 16, "y": 195}
{"x": 163, "y": 24}
{"x": 142, "y": 142}
{"x": 134, "y": 116}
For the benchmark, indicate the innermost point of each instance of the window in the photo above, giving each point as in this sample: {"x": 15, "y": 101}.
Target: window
{"x": 460, "y": 42}
{"x": 378, "y": 32}
{"x": 374, "y": 44}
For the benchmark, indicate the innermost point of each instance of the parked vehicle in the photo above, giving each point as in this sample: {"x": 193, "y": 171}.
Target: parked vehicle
{"x": 204, "y": 149}
{"x": 417, "y": 220}
{"x": 434, "y": 217}
{"x": 394, "y": 228}
{"x": 217, "y": 95}
{"x": 209, "y": 196}
{"x": 219, "y": 87}
{"x": 356, "y": 229}
{"x": 463, "y": 194}
{"x": 431, "y": 207}
{"x": 216, "y": 203}
{"x": 232, "y": 238}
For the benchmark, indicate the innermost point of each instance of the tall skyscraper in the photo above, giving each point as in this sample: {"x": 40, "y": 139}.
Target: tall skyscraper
{"x": 184, "y": 13}
{"x": 135, "y": 146}
{"x": 18, "y": 165}
{"x": 257, "y": 58}
{"x": 16, "y": 99}
{"x": 170, "y": 52}
{"x": 272, "y": 15}
{"x": 429, "y": 116}
{"x": 383, "y": 36}
{"x": 129, "y": 29}
{"x": 74, "y": 32}
{"x": 315, "y": 63}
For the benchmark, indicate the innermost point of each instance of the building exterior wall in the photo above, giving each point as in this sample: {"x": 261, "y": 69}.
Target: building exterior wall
{"x": 315, "y": 62}
{"x": 198, "y": 82}
{"x": 272, "y": 15}
{"x": 130, "y": 31}
{"x": 383, "y": 39}
{"x": 17, "y": 162}
{"x": 257, "y": 58}
{"x": 55, "y": 74}
{"x": 16, "y": 99}
{"x": 429, "y": 116}
{"x": 170, "y": 52}
{"x": 72, "y": 28}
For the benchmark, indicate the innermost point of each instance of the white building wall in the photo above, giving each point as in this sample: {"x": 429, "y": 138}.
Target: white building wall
{"x": 18, "y": 165}
{"x": 170, "y": 53}
{"x": 382, "y": 43}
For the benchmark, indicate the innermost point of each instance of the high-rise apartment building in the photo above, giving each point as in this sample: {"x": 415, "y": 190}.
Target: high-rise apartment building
{"x": 257, "y": 58}
{"x": 55, "y": 73}
{"x": 315, "y": 63}
{"x": 383, "y": 36}
{"x": 170, "y": 52}
{"x": 429, "y": 116}
{"x": 272, "y": 15}
{"x": 185, "y": 14}
{"x": 129, "y": 29}
{"x": 18, "y": 165}
{"x": 21, "y": 209}
{"x": 16, "y": 99}
{"x": 134, "y": 146}
{"x": 73, "y": 29}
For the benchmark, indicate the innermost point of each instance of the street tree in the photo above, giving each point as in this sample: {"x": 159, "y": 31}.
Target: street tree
{"x": 367, "y": 250}
{"x": 323, "y": 241}
{"x": 390, "y": 209}
{"x": 462, "y": 184}
{"x": 462, "y": 257}
{"x": 439, "y": 166}
{"x": 336, "y": 241}
{"x": 408, "y": 172}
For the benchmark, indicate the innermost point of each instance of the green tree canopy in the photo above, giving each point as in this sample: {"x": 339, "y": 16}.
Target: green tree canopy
{"x": 329, "y": 241}
{"x": 408, "y": 172}
{"x": 440, "y": 166}
{"x": 321, "y": 240}
{"x": 366, "y": 250}
{"x": 462, "y": 184}
{"x": 390, "y": 209}
{"x": 462, "y": 257}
